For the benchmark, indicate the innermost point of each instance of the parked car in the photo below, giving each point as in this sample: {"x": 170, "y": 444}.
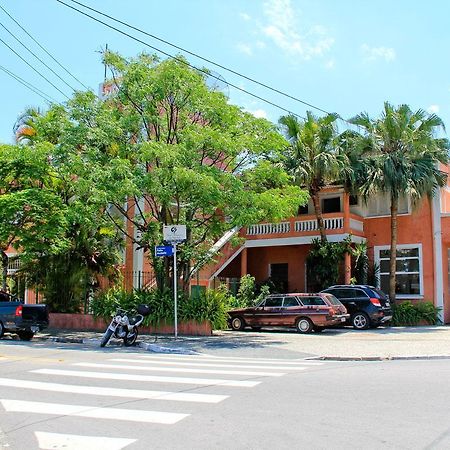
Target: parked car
{"x": 24, "y": 320}
{"x": 305, "y": 312}
{"x": 367, "y": 305}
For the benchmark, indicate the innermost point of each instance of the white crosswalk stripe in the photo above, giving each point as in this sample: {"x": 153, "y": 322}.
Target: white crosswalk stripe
{"x": 113, "y": 392}
{"x": 146, "y": 378}
{"x": 59, "y": 441}
{"x": 181, "y": 370}
{"x": 133, "y": 415}
{"x": 207, "y": 364}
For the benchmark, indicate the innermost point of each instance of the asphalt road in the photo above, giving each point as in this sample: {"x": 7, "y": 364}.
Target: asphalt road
{"x": 75, "y": 397}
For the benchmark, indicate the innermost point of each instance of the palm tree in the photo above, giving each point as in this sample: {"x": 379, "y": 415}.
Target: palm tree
{"x": 312, "y": 158}
{"x": 25, "y": 130}
{"x": 400, "y": 157}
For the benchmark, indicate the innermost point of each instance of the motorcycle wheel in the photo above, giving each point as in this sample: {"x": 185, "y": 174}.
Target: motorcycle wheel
{"x": 106, "y": 337}
{"x": 130, "y": 337}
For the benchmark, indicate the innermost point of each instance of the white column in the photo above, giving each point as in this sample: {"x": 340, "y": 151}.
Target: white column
{"x": 437, "y": 250}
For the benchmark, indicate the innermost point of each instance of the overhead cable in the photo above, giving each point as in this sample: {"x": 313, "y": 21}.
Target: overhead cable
{"x": 206, "y": 72}
{"x": 29, "y": 65}
{"x": 43, "y": 48}
{"x": 28, "y": 85}
{"x": 201, "y": 57}
{"x": 37, "y": 57}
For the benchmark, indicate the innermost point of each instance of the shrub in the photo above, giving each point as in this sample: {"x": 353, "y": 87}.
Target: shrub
{"x": 409, "y": 314}
{"x": 211, "y": 306}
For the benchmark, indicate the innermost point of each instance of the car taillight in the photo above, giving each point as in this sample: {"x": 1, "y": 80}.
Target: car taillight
{"x": 19, "y": 311}
{"x": 332, "y": 311}
{"x": 375, "y": 302}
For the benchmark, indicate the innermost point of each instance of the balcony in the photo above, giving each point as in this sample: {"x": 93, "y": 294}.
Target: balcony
{"x": 302, "y": 229}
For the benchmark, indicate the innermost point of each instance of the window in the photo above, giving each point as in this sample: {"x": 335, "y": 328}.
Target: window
{"x": 274, "y": 302}
{"x": 408, "y": 269}
{"x": 303, "y": 209}
{"x": 312, "y": 301}
{"x": 290, "y": 301}
{"x": 331, "y": 205}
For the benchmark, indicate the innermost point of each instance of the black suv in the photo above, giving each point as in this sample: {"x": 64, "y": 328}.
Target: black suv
{"x": 367, "y": 305}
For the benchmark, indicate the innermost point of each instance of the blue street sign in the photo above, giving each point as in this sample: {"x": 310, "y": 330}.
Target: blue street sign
{"x": 163, "y": 250}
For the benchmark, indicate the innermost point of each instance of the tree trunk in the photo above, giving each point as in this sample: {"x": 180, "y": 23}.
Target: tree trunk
{"x": 318, "y": 212}
{"x": 393, "y": 255}
{"x": 4, "y": 270}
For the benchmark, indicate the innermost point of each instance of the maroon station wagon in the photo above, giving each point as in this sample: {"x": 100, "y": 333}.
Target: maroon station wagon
{"x": 305, "y": 312}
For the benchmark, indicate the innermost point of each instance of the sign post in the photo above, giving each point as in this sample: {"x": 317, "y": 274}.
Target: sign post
{"x": 175, "y": 234}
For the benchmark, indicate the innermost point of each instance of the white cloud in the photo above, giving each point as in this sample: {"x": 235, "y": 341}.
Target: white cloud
{"x": 283, "y": 30}
{"x": 433, "y": 109}
{"x": 375, "y": 53}
{"x": 260, "y": 113}
{"x": 244, "y": 48}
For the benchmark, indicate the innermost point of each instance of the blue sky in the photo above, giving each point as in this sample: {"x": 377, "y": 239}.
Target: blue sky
{"x": 342, "y": 56}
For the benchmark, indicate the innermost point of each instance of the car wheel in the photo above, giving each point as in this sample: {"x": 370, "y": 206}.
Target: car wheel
{"x": 2, "y": 330}
{"x": 304, "y": 325}
{"x": 237, "y": 324}
{"x": 360, "y": 321}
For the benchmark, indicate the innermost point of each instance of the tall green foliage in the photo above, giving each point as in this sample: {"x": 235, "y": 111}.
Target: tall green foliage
{"x": 180, "y": 153}
{"x": 399, "y": 155}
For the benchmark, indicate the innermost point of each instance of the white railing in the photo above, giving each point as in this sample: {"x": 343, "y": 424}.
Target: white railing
{"x": 13, "y": 265}
{"x": 268, "y": 228}
{"x": 356, "y": 225}
{"x": 332, "y": 223}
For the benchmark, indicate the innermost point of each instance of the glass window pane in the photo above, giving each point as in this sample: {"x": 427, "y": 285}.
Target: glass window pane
{"x": 385, "y": 253}
{"x": 407, "y": 252}
{"x": 274, "y": 302}
{"x": 384, "y": 265}
{"x": 384, "y": 281}
{"x": 290, "y": 301}
{"x": 408, "y": 265}
{"x": 408, "y": 284}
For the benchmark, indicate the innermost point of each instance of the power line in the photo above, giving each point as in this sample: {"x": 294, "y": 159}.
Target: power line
{"x": 37, "y": 71}
{"x": 201, "y": 57}
{"x": 180, "y": 60}
{"x": 43, "y": 48}
{"x": 28, "y": 85}
{"x": 37, "y": 57}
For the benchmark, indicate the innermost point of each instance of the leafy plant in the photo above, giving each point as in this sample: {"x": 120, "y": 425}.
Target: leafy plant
{"x": 410, "y": 314}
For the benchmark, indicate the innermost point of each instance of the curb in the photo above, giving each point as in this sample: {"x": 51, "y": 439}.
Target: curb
{"x": 377, "y": 358}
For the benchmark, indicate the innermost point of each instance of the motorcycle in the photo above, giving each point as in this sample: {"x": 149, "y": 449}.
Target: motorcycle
{"x": 124, "y": 327}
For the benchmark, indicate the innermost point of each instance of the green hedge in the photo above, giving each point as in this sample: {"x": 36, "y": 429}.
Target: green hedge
{"x": 211, "y": 305}
{"x": 411, "y": 314}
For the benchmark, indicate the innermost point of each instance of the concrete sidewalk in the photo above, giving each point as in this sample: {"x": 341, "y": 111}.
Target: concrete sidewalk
{"x": 332, "y": 344}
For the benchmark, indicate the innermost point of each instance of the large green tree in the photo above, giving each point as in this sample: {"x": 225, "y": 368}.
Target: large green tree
{"x": 400, "y": 154}
{"x": 312, "y": 157}
{"x": 165, "y": 149}
{"x": 32, "y": 214}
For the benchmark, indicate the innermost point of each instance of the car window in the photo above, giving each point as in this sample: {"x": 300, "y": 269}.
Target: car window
{"x": 290, "y": 301}
{"x": 339, "y": 293}
{"x": 377, "y": 293}
{"x": 359, "y": 293}
{"x": 272, "y": 302}
{"x": 312, "y": 301}
{"x": 333, "y": 300}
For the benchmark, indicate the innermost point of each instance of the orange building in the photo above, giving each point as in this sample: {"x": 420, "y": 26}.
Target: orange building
{"x": 278, "y": 250}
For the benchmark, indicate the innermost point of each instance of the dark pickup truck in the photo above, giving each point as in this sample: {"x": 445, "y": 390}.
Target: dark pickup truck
{"x": 24, "y": 320}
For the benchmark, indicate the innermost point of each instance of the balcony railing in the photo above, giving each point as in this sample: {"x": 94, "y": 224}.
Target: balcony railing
{"x": 13, "y": 265}
{"x": 308, "y": 226}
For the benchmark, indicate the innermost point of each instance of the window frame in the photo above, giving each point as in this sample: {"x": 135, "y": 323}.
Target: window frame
{"x": 377, "y": 250}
